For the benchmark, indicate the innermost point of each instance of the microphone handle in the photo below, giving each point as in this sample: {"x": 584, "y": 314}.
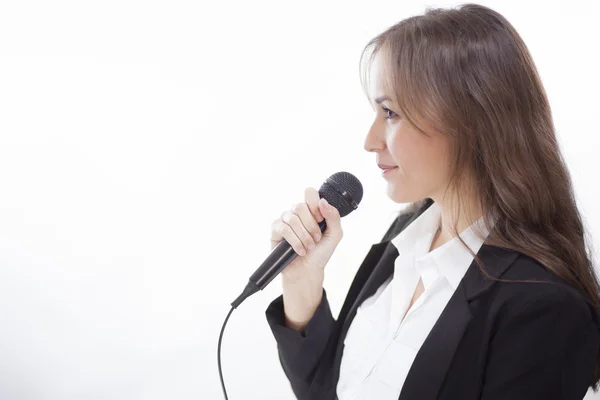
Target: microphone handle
{"x": 280, "y": 257}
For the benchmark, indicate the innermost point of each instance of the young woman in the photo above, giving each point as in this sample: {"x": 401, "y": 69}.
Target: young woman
{"x": 483, "y": 288}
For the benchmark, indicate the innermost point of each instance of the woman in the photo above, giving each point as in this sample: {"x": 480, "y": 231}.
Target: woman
{"x": 483, "y": 287}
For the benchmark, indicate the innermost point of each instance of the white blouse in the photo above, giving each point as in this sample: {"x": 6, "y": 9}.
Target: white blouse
{"x": 380, "y": 345}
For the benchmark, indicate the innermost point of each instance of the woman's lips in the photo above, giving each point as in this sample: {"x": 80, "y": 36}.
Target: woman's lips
{"x": 385, "y": 171}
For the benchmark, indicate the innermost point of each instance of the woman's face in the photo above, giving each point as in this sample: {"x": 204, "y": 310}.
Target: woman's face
{"x": 420, "y": 162}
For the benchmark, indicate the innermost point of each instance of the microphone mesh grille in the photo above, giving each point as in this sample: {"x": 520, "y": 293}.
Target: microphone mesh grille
{"x": 348, "y": 183}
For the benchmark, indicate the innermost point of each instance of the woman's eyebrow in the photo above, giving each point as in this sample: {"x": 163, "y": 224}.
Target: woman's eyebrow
{"x": 381, "y": 99}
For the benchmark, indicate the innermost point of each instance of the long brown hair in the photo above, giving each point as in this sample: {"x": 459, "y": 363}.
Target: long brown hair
{"x": 468, "y": 74}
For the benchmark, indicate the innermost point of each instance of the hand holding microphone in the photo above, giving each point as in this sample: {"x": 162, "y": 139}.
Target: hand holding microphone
{"x": 303, "y": 277}
{"x": 299, "y": 226}
{"x": 341, "y": 190}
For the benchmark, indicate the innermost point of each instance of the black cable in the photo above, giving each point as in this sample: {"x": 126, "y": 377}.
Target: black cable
{"x": 248, "y": 291}
{"x": 219, "y": 353}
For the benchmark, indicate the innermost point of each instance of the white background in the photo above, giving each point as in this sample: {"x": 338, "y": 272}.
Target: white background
{"x": 145, "y": 149}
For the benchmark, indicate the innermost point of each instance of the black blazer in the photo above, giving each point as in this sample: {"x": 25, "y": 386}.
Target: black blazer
{"x": 493, "y": 340}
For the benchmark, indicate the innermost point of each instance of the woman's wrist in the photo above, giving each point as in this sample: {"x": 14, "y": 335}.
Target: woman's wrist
{"x": 300, "y": 301}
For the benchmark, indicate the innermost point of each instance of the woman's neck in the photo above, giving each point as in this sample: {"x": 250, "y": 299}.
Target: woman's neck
{"x": 468, "y": 214}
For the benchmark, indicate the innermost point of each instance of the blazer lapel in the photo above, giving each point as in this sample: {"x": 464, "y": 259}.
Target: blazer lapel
{"x": 429, "y": 367}
{"x": 426, "y": 375}
{"x": 383, "y": 268}
{"x": 362, "y": 283}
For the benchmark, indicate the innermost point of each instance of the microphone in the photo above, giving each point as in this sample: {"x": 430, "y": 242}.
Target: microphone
{"x": 343, "y": 191}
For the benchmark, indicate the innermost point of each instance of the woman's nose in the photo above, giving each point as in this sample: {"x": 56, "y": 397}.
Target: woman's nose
{"x": 374, "y": 140}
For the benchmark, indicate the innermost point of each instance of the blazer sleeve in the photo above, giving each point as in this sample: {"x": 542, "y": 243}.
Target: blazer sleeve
{"x": 547, "y": 349}
{"x": 301, "y": 353}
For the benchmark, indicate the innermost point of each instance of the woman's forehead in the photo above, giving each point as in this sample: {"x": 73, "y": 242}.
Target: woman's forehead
{"x": 380, "y": 77}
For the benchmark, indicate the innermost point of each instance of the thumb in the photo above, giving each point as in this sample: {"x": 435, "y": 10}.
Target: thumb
{"x": 332, "y": 217}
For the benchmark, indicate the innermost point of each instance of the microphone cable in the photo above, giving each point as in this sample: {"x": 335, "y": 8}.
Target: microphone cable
{"x": 219, "y": 353}
{"x": 248, "y": 291}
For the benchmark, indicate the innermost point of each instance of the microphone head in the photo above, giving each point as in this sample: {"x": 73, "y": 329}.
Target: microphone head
{"x": 343, "y": 191}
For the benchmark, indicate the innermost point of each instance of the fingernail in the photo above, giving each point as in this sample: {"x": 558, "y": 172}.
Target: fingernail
{"x": 302, "y": 252}
{"x": 311, "y": 247}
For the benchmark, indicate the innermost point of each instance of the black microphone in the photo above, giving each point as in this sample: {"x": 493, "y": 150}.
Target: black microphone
{"x": 343, "y": 191}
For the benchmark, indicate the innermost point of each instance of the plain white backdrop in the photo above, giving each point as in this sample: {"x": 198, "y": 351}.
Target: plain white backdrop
{"x": 145, "y": 149}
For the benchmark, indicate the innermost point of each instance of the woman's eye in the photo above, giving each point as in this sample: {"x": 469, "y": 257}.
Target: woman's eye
{"x": 389, "y": 113}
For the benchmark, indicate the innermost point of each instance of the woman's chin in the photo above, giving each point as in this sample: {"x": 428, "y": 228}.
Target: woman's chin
{"x": 401, "y": 196}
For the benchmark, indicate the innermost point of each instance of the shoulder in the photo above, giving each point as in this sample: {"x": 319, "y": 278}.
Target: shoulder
{"x": 548, "y": 299}
{"x": 538, "y": 333}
